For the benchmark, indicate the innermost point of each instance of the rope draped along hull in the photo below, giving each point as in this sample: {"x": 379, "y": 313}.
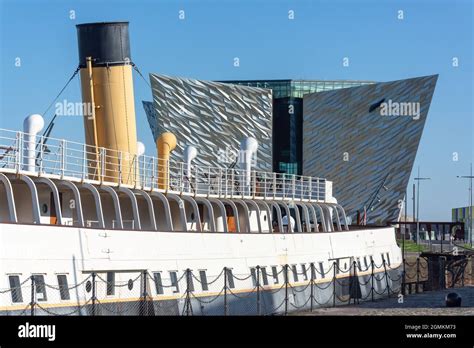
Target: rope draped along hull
{"x": 129, "y": 272}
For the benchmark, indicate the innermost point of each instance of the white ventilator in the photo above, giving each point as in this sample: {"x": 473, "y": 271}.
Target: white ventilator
{"x": 32, "y": 125}
{"x": 140, "y": 148}
{"x": 140, "y": 153}
{"x": 190, "y": 153}
{"x": 248, "y": 147}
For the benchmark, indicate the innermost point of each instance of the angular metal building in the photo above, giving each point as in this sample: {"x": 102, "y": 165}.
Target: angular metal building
{"x": 365, "y": 140}
{"x": 214, "y": 117}
{"x": 362, "y": 135}
{"x": 288, "y": 116}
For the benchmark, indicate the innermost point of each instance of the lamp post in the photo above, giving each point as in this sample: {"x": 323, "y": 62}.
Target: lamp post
{"x": 470, "y": 177}
{"x": 418, "y": 179}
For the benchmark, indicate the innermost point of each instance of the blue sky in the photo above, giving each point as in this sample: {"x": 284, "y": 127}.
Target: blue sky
{"x": 379, "y": 46}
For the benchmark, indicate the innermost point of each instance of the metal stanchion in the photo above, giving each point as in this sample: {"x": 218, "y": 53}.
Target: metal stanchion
{"x": 417, "y": 273}
{"x": 32, "y": 303}
{"x": 372, "y": 278}
{"x": 334, "y": 285}
{"x": 189, "y": 308}
{"x": 386, "y": 276}
{"x": 286, "y": 289}
{"x": 93, "y": 294}
{"x": 258, "y": 290}
{"x": 312, "y": 285}
{"x": 403, "y": 278}
{"x": 225, "y": 290}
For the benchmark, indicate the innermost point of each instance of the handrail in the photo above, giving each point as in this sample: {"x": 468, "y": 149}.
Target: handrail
{"x": 69, "y": 159}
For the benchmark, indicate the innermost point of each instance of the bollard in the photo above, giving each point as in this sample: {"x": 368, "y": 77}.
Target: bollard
{"x": 453, "y": 300}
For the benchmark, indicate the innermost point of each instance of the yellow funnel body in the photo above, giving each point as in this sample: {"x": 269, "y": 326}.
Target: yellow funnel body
{"x": 115, "y": 125}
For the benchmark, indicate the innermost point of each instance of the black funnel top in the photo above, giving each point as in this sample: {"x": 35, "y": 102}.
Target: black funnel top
{"x": 107, "y": 43}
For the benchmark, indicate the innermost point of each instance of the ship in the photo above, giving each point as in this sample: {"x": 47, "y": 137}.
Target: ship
{"x": 100, "y": 227}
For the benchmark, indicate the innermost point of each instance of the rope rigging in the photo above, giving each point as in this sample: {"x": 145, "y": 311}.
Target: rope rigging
{"x": 50, "y": 125}
{"x": 61, "y": 91}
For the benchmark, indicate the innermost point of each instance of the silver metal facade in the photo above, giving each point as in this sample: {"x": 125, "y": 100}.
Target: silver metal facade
{"x": 349, "y": 139}
{"x": 212, "y": 116}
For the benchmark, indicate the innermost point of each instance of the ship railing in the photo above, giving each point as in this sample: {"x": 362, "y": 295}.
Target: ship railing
{"x": 38, "y": 155}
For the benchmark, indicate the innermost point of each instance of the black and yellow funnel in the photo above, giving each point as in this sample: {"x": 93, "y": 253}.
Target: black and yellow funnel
{"x": 106, "y": 80}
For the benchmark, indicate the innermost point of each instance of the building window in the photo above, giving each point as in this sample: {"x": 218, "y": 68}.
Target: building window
{"x": 365, "y": 262}
{"x": 40, "y": 288}
{"x": 388, "y": 259}
{"x": 63, "y": 287}
{"x": 321, "y": 270}
{"x": 254, "y": 276}
{"x": 15, "y": 289}
{"x": 264, "y": 276}
{"x": 275, "y": 275}
{"x": 158, "y": 283}
{"x": 288, "y": 168}
{"x": 230, "y": 278}
{"x": 295, "y": 273}
{"x": 305, "y": 274}
{"x": 174, "y": 281}
{"x": 359, "y": 266}
{"x": 110, "y": 283}
{"x": 202, "y": 275}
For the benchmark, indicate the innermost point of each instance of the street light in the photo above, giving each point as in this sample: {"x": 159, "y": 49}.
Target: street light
{"x": 418, "y": 179}
{"x": 470, "y": 177}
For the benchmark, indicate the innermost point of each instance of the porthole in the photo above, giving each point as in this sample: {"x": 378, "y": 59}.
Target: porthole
{"x": 44, "y": 208}
{"x": 88, "y": 286}
{"x": 192, "y": 216}
{"x": 130, "y": 284}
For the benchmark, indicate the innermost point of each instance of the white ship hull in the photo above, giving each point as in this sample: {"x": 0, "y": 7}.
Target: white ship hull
{"x": 27, "y": 250}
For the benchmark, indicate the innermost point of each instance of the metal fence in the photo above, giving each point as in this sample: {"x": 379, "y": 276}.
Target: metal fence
{"x": 68, "y": 159}
{"x": 224, "y": 293}
{"x": 144, "y": 295}
{"x": 436, "y": 272}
